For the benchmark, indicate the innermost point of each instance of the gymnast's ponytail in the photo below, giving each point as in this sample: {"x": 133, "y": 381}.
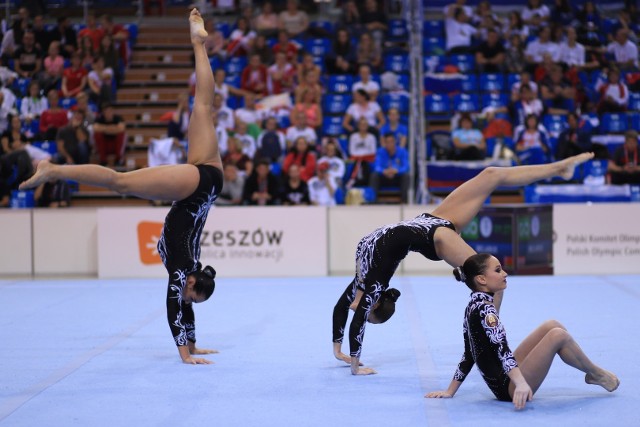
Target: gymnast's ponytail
{"x": 474, "y": 266}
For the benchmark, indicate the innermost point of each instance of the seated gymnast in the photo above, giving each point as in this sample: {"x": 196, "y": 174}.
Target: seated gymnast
{"x": 433, "y": 235}
{"x": 512, "y": 377}
{"x": 193, "y": 187}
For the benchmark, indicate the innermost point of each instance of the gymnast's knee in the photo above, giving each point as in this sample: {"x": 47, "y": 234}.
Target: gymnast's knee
{"x": 551, "y": 324}
{"x": 559, "y": 336}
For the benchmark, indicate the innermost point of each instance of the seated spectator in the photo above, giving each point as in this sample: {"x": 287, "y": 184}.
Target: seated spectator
{"x": 310, "y": 83}
{"x": 531, "y": 143}
{"x": 7, "y": 100}
{"x": 459, "y": 33}
{"x": 391, "y": 168}
{"x": 215, "y": 43}
{"x": 92, "y": 31}
{"x": 295, "y": 191}
{"x": 232, "y": 190}
{"x": 7, "y": 76}
{"x": 221, "y": 134}
{"x": 33, "y": 105}
{"x": 302, "y": 155}
{"x": 525, "y": 80}
{"x": 241, "y": 39}
{"x": 179, "y": 121}
{"x": 572, "y": 53}
{"x": 561, "y": 13}
{"x": 624, "y": 167}
{"x": 249, "y": 114}
{"x": 310, "y": 107}
{"x": 281, "y": 76}
{"x": 261, "y": 188}
{"x": 557, "y": 90}
{"x": 514, "y": 58}
{"x": 74, "y": 78}
{"x": 28, "y": 62}
{"x": 307, "y": 65}
{"x": 588, "y": 15}
{"x": 286, "y": 46}
{"x": 368, "y": 54}
{"x": 374, "y": 22}
{"x": 295, "y": 22}
{"x": 64, "y": 33}
{"x": 299, "y": 128}
{"x": 261, "y": 48}
{"x": 40, "y": 33}
{"x": 99, "y": 81}
{"x": 336, "y": 164}
{"x": 490, "y": 54}
{"x": 484, "y": 19}
{"x": 88, "y": 111}
{"x": 535, "y": 50}
{"x": 271, "y": 143}
{"x": 237, "y": 157}
{"x": 53, "y": 68}
{"x": 225, "y": 115}
{"x": 573, "y": 140}
{"x": 450, "y": 9}
{"x": 468, "y": 142}
{"x": 87, "y": 52}
{"x": 528, "y": 104}
{"x": 13, "y": 137}
{"x": 366, "y": 83}
{"x": 393, "y": 125}
{"x": 614, "y": 94}
{"x": 515, "y": 26}
{"x": 266, "y": 23}
{"x": 111, "y": 56}
{"x": 220, "y": 86}
{"x": 625, "y": 21}
{"x": 53, "y": 118}
{"x": 254, "y": 77}
{"x": 496, "y": 126}
{"x": 15, "y": 167}
{"x": 109, "y": 135}
{"x": 535, "y": 8}
{"x": 322, "y": 188}
{"x": 341, "y": 59}
{"x": 73, "y": 142}
{"x": 249, "y": 146}
{"x": 363, "y": 106}
{"x": 363, "y": 144}
{"x": 624, "y": 51}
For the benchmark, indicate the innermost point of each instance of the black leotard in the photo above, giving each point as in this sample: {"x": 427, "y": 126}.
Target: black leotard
{"x": 179, "y": 248}
{"x": 485, "y": 344}
{"x": 377, "y": 258}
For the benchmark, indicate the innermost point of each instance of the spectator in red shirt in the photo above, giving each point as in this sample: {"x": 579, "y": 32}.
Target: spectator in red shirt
{"x": 302, "y": 156}
{"x": 92, "y": 31}
{"x": 254, "y": 77}
{"x": 74, "y": 78}
{"x": 53, "y": 118}
{"x": 286, "y": 46}
{"x": 119, "y": 34}
{"x": 281, "y": 75}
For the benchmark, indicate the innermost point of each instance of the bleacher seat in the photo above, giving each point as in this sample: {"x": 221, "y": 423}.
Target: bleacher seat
{"x": 49, "y": 146}
{"x": 634, "y": 120}
{"x": 613, "y": 122}
{"x": 404, "y": 80}
{"x": 395, "y": 100}
{"x": 492, "y": 82}
{"x": 215, "y": 62}
{"x": 132, "y": 29}
{"x": 397, "y": 30}
{"x": 232, "y": 80}
{"x": 634, "y": 101}
{"x": 469, "y": 83}
{"x": 21, "y": 85}
{"x": 433, "y": 46}
{"x": 67, "y": 103}
{"x": 465, "y": 102}
{"x": 434, "y": 63}
{"x": 464, "y": 63}
{"x": 554, "y": 123}
{"x": 433, "y": 28}
{"x": 224, "y": 28}
{"x": 235, "y": 65}
{"x": 317, "y": 46}
{"x": 396, "y": 62}
{"x": 495, "y": 100}
{"x": 327, "y": 26}
{"x": 340, "y": 83}
{"x": 284, "y": 121}
{"x": 332, "y": 126}
{"x": 336, "y": 103}
{"x": 437, "y": 104}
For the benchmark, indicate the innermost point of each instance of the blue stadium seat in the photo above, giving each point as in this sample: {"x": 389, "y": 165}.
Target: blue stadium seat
{"x": 22, "y": 85}
{"x": 433, "y": 46}
{"x": 613, "y": 122}
{"x": 336, "y": 103}
{"x": 49, "y": 146}
{"x": 235, "y": 102}
{"x": 404, "y": 80}
{"x": 235, "y": 65}
{"x": 232, "y": 80}
{"x": 224, "y": 28}
{"x": 394, "y": 100}
{"x": 433, "y": 28}
{"x": 437, "y": 104}
{"x": 492, "y": 82}
{"x": 133, "y": 33}
{"x": 397, "y": 30}
{"x": 469, "y": 83}
{"x": 284, "y": 121}
{"x": 495, "y": 100}
{"x": 465, "y": 102}
{"x": 317, "y": 46}
{"x": 332, "y": 126}
{"x": 215, "y": 62}
{"x": 634, "y": 120}
{"x": 67, "y": 103}
{"x": 327, "y": 26}
{"x": 634, "y": 101}
{"x": 464, "y": 63}
{"x": 340, "y": 84}
{"x": 554, "y": 123}
{"x": 434, "y": 63}
{"x": 512, "y": 78}
{"x": 398, "y": 62}
{"x": 319, "y": 61}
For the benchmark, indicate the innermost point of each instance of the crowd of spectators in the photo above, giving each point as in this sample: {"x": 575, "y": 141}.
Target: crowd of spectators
{"x": 58, "y": 83}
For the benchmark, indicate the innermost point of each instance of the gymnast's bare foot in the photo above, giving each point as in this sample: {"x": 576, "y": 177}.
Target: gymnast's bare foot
{"x": 604, "y": 379}
{"x": 569, "y": 164}
{"x": 43, "y": 174}
{"x": 198, "y": 33}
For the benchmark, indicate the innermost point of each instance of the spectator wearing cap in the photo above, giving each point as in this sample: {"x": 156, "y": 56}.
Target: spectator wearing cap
{"x": 624, "y": 167}
{"x": 322, "y": 187}
{"x": 391, "y": 167}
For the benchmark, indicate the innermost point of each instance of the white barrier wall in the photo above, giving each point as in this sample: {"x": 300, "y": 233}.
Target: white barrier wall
{"x": 15, "y": 242}
{"x": 596, "y": 238}
{"x": 236, "y": 241}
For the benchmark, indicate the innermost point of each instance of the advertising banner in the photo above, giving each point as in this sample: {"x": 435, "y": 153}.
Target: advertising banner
{"x": 236, "y": 241}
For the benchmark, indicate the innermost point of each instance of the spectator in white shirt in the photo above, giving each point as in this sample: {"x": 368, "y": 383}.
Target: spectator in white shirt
{"x": 459, "y": 33}
{"x": 459, "y": 4}
{"x": 537, "y": 48}
{"x": 525, "y": 79}
{"x": 299, "y": 128}
{"x": 363, "y": 143}
{"x": 322, "y": 187}
{"x": 33, "y": 105}
{"x": 336, "y": 164}
{"x": 224, "y": 114}
{"x": 365, "y": 83}
{"x": 248, "y": 142}
{"x": 625, "y": 52}
{"x": 362, "y": 106}
{"x": 614, "y": 94}
{"x": 294, "y": 21}
{"x": 572, "y": 53}
{"x": 248, "y": 113}
{"x": 535, "y": 7}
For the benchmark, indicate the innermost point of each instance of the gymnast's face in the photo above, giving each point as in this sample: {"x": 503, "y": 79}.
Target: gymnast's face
{"x": 189, "y": 295}
{"x": 494, "y": 278}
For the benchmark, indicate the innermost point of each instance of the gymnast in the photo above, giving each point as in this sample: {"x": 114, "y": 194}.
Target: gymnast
{"x": 193, "y": 186}
{"x": 433, "y": 235}
{"x": 511, "y": 376}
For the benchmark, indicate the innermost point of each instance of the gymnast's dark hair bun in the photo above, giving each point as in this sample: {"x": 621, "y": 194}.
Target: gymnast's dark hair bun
{"x": 205, "y": 283}
{"x": 472, "y": 267}
{"x": 458, "y": 273}
{"x": 392, "y": 294}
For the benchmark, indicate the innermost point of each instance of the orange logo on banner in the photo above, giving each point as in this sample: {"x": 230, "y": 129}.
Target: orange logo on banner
{"x": 148, "y": 236}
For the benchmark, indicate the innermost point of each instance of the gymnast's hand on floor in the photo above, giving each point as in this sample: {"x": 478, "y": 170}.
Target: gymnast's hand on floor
{"x": 439, "y": 394}
{"x": 358, "y": 369}
{"x": 196, "y": 361}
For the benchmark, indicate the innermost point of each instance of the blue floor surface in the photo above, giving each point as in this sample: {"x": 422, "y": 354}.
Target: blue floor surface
{"x": 99, "y": 353}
